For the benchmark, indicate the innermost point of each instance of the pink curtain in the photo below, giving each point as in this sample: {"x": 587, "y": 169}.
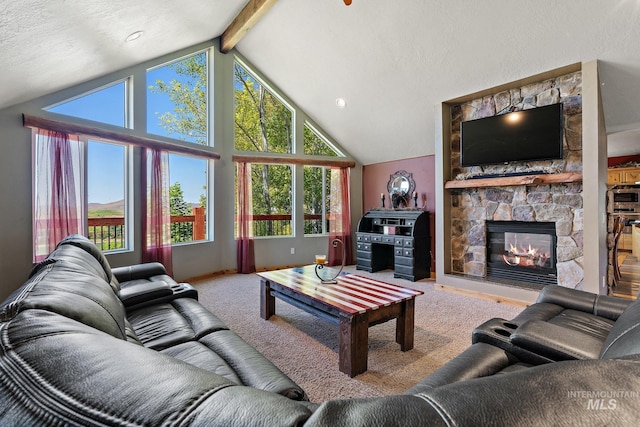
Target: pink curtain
{"x": 340, "y": 217}
{"x": 59, "y": 201}
{"x": 246, "y": 260}
{"x": 156, "y": 221}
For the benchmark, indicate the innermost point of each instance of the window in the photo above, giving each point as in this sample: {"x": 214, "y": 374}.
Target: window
{"x": 317, "y": 145}
{"x": 98, "y": 203}
{"x": 177, "y": 99}
{"x": 104, "y": 105}
{"x": 107, "y": 195}
{"x": 272, "y": 199}
{"x": 262, "y": 121}
{"x": 188, "y": 198}
{"x": 317, "y": 189}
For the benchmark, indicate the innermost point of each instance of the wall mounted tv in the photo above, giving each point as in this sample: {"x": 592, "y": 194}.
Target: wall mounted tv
{"x": 527, "y": 135}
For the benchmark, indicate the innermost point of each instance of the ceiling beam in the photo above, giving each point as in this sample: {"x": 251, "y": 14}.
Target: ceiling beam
{"x": 241, "y": 24}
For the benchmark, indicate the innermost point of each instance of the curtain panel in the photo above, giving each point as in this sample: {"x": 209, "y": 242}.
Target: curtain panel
{"x": 59, "y": 205}
{"x": 246, "y": 260}
{"x": 340, "y": 217}
{"x": 156, "y": 221}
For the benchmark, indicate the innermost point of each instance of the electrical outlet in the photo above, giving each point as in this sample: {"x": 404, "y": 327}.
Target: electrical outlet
{"x": 293, "y": 251}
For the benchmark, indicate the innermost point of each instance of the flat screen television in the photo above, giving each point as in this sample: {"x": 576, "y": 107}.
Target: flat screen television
{"x": 527, "y": 135}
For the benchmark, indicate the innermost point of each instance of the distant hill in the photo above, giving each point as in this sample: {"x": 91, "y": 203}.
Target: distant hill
{"x": 101, "y": 210}
{"x": 106, "y": 209}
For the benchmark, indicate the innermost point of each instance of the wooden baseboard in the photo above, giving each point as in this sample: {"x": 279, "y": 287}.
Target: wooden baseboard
{"x": 480, "y": 295}
{"x": 234, "y": 271}
{"x": 209, "y": 275}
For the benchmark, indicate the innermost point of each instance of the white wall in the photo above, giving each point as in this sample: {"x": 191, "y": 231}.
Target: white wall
{"x": 189, "y": 260}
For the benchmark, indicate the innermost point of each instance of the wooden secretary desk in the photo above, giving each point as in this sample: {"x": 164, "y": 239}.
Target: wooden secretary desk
{"x": 397, "y": 239}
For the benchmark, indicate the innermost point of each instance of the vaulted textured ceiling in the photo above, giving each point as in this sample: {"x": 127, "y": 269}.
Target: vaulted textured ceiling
{"x": 392, "y": 61}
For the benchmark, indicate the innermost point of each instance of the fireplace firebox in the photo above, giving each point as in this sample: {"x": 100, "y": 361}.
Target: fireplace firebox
{"x": 522, "y": 252}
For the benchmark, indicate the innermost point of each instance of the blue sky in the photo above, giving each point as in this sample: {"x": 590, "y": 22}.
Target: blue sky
{"x": 105, "y": 168}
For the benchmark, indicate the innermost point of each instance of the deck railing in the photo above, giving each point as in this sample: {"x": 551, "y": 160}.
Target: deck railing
{"x": 280, "y": 225}
{"x": 108, "y": 233}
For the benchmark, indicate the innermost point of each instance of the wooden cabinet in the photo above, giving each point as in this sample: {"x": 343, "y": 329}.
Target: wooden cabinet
{"x": 631, "y": 176}
{"x": 616, "y": 176}
{"x": 397, "y": 239}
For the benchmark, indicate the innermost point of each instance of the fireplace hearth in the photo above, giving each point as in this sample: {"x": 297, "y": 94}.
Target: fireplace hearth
{"x": 522, "y": 252}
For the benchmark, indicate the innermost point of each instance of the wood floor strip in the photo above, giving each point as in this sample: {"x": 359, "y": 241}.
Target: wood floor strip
{"x": 629, "y": 283}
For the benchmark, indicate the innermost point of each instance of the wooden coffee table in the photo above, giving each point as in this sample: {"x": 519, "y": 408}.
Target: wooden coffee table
{"x": 354, "y": 303}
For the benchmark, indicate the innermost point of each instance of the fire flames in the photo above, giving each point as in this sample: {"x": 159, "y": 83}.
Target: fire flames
{"x": 525, "y": 256}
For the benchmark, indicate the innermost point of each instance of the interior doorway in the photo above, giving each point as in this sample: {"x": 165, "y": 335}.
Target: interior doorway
{"x": 623, "y": 152}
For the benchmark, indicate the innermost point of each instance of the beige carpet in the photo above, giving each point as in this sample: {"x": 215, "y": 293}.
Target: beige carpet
{"x": 306, "y": 348}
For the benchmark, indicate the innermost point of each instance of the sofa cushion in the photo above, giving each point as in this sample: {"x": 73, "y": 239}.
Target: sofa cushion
{"x": 250, "y": 365}
{"x": 595, "y": 326}
{"x": 184, "y": 328}
{"x": 181, "y": 320}
{"x": 201, "y": 356}
{"x": 556, "y": 342}
{"x": 558, "y": 332}
{"x": 581, "y": 321}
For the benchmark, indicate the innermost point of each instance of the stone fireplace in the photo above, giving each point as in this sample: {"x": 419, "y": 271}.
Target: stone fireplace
{"x": 556, "y": 205}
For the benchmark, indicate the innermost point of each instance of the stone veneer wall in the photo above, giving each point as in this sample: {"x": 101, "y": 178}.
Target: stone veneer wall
{"x": 559, "y": 203}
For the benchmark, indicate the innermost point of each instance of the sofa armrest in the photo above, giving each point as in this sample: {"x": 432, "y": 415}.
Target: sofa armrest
{"x": 497, "y": 332}
{"x": 555, "y": 342}
{"x": 478, "y": 360}
{"x": 139, "y": 292}
{"x": 138, "y": 271}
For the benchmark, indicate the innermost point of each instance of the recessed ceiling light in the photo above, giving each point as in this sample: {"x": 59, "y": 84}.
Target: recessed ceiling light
{"x": 341, "y": 103}
{"x": 134, "y": 36}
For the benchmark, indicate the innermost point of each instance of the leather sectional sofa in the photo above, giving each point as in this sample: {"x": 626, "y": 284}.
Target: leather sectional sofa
{"x": 81, "y": 344}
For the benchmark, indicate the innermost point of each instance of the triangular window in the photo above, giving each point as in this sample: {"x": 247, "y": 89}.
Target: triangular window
{"x": 317, "y": 145}
{"x": 105, "y": 105}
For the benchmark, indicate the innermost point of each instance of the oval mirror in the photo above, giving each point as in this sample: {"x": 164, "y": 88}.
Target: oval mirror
{"x": 401, "y": 183}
